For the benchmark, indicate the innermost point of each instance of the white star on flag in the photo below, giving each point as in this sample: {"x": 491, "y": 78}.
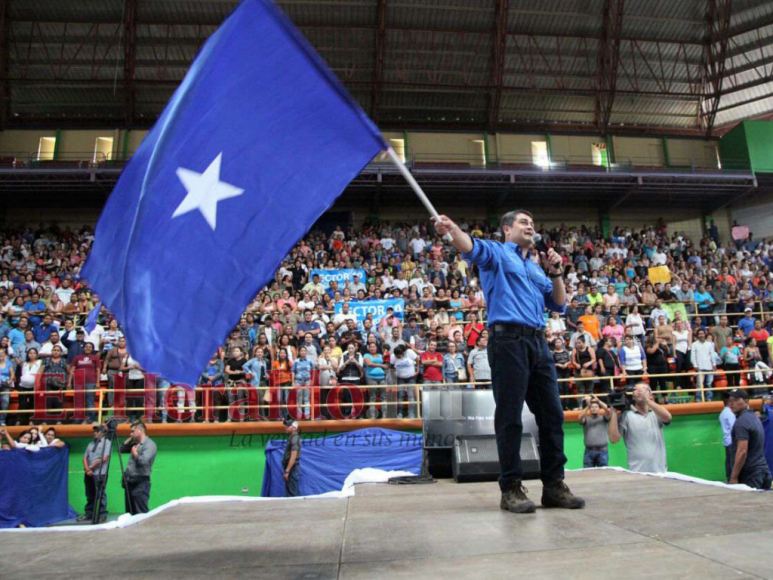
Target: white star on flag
{"x": 205, "y": 190}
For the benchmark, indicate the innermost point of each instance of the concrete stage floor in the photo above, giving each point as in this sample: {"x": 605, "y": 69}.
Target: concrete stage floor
{"x": 634, "y": 526}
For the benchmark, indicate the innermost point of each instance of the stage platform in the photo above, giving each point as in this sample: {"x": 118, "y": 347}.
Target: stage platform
{"x": 634, "y": 526}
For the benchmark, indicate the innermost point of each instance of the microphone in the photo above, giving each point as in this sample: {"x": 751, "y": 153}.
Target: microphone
{"x": 539, "y": 243}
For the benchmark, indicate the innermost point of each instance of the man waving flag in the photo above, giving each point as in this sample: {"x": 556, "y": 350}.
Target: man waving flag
{"x": 256, "y": 143}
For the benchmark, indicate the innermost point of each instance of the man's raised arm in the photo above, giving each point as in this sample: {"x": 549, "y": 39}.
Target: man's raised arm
{"x": 461, "y": 241}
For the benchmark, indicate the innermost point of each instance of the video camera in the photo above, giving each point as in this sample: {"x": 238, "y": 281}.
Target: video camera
{"x": 112, "y": 424}
{"x": 620, "y": 399}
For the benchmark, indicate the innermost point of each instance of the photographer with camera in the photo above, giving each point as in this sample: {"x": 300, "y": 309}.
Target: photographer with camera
{"x": 95, "y": 464}
{"x": 137, "y": 476}
{"x": 594, "y": 419}
{"x": 641, "y": 426}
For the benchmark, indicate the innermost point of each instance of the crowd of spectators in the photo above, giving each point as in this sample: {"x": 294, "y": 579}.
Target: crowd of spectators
{"x": 714, "y": 313}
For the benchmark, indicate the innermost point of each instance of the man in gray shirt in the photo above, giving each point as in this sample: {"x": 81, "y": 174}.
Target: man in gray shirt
{"x": 291, "y": 460}
{"x": 95, "y": 463}
{"x": 393, "y": 340}
{"x": 594, "y": 419}
{"x": 478, "y": 368}
{"x": 642, "y": 429}
{"x": 137, "y": 476}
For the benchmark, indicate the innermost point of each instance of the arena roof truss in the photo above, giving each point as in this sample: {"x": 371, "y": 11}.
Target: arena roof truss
{"x": 692, "y": 67}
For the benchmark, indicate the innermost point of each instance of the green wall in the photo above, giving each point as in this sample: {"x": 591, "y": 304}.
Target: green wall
{"x": 733, "y": 150}
{"x": 748, "y": 146}
{"x": 759, "y": 138}
{"x": 222, "y": 465}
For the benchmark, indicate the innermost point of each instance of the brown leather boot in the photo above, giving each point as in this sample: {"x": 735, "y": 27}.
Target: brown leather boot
{"x": 514, "y": 500}
{"x": 558, "y": 495}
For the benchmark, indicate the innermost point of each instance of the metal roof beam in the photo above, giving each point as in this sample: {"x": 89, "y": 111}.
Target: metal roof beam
{"x": 378, "y": 64}
{"x": 499, "y": 48}
{"x": 715, "y": 56}
{"x": 405, "y": 85}
{"x": 129, "y": 59}
{"x": 325, "y": 25}
{"x": 607, "y": 62}
{"x": 746, "y": 102}
{"x": 5, "y": 93}
{"x": 745, "y": 86}
{"x": 762, "y": 22}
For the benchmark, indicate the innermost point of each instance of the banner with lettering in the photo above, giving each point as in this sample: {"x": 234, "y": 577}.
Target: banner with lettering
{"x": 376, "y": 307}
{"x": 342, "y": 277}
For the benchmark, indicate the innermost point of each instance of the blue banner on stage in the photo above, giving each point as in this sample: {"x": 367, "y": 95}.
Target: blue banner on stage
{"x": 376, "y": 307}
{"x": 327, "y": 460}
{"x": 342, "y": 277}
{"x": 767, "y": 425}
{"x": 33, "y": 487}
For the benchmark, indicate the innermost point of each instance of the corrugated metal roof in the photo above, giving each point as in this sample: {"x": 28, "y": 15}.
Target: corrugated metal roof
{"x": 437, "y": 56}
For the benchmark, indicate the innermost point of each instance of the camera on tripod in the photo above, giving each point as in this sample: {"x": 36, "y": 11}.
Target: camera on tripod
{"x": 112, "y": 425}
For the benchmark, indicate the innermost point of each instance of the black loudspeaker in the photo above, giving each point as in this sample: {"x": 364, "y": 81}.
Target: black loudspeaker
{"x": 475, "y": 458}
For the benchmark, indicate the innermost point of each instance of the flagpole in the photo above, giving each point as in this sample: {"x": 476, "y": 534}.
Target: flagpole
{"x": 416, "y": 187}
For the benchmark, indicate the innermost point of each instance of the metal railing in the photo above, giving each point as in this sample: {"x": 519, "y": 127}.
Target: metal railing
{"x": 182, "y": 400}
{"x": 573, "y": 162}
{"x": 64, "y": 160}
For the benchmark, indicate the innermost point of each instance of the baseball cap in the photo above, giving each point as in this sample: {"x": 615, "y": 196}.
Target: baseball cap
{"x": 738, "y": 394}
{"x": 747, "y": 309}
{"x": 290, "y": 423}
{"x": 99, "y": 428}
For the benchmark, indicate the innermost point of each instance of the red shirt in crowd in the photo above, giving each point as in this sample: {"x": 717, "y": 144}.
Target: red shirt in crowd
{"x": 475, "y": 330}
{"x": 89, "y": 365}
{"x": 432, "y": 373}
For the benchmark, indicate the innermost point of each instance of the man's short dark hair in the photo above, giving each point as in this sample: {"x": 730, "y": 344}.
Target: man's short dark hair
{"x": 140, "y": 425}
{"x": 509, "y": 217}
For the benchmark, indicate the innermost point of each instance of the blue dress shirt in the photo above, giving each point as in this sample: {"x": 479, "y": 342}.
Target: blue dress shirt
{"x": 516, "y": 289}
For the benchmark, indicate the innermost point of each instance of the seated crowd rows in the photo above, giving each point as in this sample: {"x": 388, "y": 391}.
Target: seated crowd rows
{"x": 715, "y": 313}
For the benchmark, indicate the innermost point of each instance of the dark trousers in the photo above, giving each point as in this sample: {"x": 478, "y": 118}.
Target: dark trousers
{"x": 658, "y": 383}
{"x": 733, "y": 379}
{"x": 683, "y": 365}
{"x": 293, "y": 481}
{"x": 137, "y": 495}
{"x": 54, "y": 405}
{"x": 565, "y": 389}
{"x": 757, "y": 480}
{"x": 26, "y": 403}
{"x": 522, "y": 369}
{"x": 135, "y": 402}
{"x": 345, "y": 398}
{"x": 93, "y": 482}
{"x": 728, "y": 462}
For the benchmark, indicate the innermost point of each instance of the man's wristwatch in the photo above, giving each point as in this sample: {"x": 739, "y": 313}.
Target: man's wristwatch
{"x": 556, "y": 274}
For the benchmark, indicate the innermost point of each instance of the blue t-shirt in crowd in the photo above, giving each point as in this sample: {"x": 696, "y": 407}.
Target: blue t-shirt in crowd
{"x": 375, "y": 373}
{"x": 302, "y": 369}
{"x": 730, "y": 355}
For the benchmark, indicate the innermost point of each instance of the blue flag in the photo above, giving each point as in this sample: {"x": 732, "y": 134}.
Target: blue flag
{"x": 256, "y": 143}
{"x": 92, "y": 318}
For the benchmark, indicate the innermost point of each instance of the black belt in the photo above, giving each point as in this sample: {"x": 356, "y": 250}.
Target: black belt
{"x": 518, "y": 329}
{"x": 592, "y": 448}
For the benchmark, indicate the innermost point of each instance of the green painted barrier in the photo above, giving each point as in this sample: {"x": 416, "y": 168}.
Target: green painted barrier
{"x": 234, "y": 465}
